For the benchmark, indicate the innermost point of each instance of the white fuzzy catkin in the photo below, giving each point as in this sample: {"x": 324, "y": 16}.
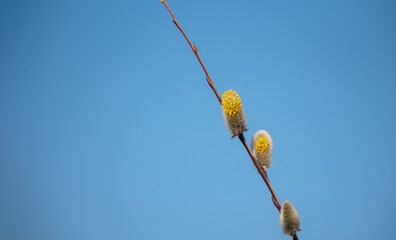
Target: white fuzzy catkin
{"x": 262, "y": 150}
{"x": 234, "y": 116}
{"x": 289, "y": 220}
{"x": 236, "y": 125}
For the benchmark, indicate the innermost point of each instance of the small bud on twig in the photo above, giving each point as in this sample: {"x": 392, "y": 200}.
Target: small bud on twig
{"x": 175, "y": 22}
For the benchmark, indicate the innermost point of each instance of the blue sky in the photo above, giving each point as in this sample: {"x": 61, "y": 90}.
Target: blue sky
{"x": 108, "y": 129}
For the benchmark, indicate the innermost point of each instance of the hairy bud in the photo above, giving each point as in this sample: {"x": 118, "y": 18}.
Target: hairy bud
{"x": 261, "y": 147}
{"x": 289, "y": 220}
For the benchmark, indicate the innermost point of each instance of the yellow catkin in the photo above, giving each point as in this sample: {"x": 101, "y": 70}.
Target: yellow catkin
{"x": 231, "y": 102}
{"x": 262, "y": 145}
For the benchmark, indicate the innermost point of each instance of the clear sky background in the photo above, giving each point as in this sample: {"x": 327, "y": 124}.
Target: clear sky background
{"x": 108, "y": 129}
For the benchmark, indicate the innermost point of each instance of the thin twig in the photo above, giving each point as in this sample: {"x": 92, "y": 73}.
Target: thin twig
{"x": 195, "y": 50}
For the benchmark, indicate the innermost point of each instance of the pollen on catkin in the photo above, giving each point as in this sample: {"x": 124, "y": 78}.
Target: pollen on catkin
{"x": 261, "y": 147}
{"x": 289, "y": 220}
{"x": 234, "y": 116}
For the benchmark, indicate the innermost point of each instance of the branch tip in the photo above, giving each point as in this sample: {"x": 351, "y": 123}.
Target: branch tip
{"x": 195, "y": 52}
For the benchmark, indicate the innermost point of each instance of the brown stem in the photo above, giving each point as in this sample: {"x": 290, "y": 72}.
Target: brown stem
{"x": 195, "y": 50}
{"x": 295, "y": 237}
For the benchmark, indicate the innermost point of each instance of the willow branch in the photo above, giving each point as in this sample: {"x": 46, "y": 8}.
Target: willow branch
{"x": 262, "y": 172}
